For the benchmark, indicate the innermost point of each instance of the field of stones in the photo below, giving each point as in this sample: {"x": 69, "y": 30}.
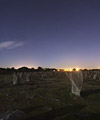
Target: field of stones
{"x": 47, "y": 96}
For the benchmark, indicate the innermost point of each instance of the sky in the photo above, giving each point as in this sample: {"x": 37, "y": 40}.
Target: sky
{"x": 50, "y": 33}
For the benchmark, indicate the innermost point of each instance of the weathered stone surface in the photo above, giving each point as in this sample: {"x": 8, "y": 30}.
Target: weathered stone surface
{"x": 15, "y": 79}
{"x": 12, "y": 115}
{"x": 76, "y": 78}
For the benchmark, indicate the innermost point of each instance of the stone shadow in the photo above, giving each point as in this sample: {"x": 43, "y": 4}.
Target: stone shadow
{"x": 86, "y": 93}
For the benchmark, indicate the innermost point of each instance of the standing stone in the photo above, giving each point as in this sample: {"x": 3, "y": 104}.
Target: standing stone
{"x": 76, "y": 78}
{"x": 15, "y": 79}
{"x": 28, "y": 77}
{"x": 98, "y": 75}
{"x": 94, "y": 76}
{"x": 67, "y": 74}
{"x": 20, "y": 75}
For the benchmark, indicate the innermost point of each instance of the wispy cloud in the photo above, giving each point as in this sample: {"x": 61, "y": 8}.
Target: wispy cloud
{"x": 10, "y": 44}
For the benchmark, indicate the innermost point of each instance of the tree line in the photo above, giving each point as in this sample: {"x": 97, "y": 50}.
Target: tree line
{"x": 25, "y": 69}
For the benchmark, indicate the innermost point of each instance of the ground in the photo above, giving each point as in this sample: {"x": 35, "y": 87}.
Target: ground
{"x": 50, "y": 99}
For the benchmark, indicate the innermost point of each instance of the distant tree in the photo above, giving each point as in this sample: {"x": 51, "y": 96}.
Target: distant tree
{"x": 47, "y": 69}
{"x": 54, "y": 69}
{"x": 50, "y": 69}
{"x": 23, "y": 69}
{"x": 13, "y": 69}
{"x": 40, "y": 69}
{"x": 85, "y": 70}
{"x": 32, "y": 69}
{"x": 74, "y": 69}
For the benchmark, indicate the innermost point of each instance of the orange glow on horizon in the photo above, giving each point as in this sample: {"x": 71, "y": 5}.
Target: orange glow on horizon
{"x": 77, "y": 69}
{"x": 58, "y": 70}
{"x": 69, "y": 69}
{"x": 65, "y": 69}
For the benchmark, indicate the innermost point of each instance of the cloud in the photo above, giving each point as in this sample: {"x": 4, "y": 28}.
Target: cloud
{"x": 10, "y": 44}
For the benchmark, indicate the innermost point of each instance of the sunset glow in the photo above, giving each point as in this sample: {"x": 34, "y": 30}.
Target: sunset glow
{"x": 77, "y": 69}
{"x": 68, "y": 69}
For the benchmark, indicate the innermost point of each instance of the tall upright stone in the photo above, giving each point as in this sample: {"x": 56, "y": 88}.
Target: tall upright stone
{"x": 28, "y": 77}
{"x": 95, "y": 76}
{"x": 76, "y": 78}
{"x": 16, "y": 79}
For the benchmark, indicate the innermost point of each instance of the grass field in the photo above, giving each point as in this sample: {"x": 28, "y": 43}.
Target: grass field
{"x": 50, "y": 99}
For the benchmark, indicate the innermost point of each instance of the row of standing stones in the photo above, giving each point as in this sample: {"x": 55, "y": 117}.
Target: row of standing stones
{"x": 76, "y": 78}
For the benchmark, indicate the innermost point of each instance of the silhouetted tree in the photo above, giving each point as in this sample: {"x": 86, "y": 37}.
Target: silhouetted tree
{"x": 40, "y": 69}
{"x": 23, "y": 69}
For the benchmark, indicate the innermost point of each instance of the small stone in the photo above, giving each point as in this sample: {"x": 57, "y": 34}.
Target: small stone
{"x": 12, "y": 115}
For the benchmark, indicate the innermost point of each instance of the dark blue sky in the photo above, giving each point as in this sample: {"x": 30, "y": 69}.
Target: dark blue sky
{"x": 50, "y": 33}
